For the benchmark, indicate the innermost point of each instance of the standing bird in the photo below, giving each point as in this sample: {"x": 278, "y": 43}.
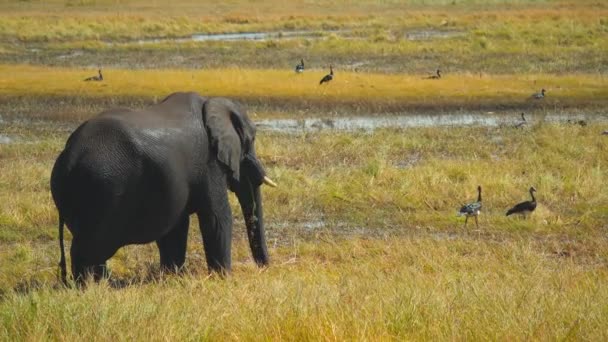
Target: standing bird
{"x": 300, "y": 67}
{"x": 472, "y": 209}
{"x": 522, "y": 122}
{"x": 539, "y": 96}
{"x": 435, "y": 77}
{"x": 95, "y": 78}
{"x": 524, "y": 208}
{"x": 328, "y": 77}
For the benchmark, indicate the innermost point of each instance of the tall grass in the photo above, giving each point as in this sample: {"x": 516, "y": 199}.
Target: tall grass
{"x": 391, "y": 289}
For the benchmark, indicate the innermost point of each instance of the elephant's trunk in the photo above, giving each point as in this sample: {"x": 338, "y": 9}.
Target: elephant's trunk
{"x": 250, "y": 198}
{"x": 256, "y": 232}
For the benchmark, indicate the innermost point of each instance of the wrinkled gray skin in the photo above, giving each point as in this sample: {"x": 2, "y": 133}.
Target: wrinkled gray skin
{"x": 133, "y": 177}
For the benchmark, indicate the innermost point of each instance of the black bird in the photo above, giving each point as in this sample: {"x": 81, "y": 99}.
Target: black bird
{"x": 522, "y": 122}
{"x": 472, "y": 209}
{"x": 435, "y": 77}
{"x": 95, "y": 78}
{"x": 582, "y": 123}
{"x": 524, "y": 208}
{"x": 539, "y": 96}
{"x": 300, "y": 67}
{"x": 328, "y": 77}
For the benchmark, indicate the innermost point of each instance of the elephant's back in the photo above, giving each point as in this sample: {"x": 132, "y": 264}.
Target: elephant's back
{"x": 102, "y": 143}
{"x": 95, "y": 168}
{"x": 122, "y": 174}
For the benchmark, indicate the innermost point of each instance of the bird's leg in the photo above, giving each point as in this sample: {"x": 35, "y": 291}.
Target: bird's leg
{"x": 466, "y": 218}
{"x": 476, "y": 224}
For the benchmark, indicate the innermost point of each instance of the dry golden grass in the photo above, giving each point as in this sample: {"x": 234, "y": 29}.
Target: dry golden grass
{"x": 360, "y": 289}
{"x": 347, "y": 87}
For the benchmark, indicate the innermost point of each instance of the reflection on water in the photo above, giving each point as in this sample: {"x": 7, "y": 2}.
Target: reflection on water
{"x": 418, "y": 34}
{"x": 413, "y": 120}
{"x": 201, "y": 37}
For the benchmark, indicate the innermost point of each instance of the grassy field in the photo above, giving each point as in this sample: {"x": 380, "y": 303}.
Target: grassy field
{"x": 364, "y": 242}
{"x": 363, "y": 235}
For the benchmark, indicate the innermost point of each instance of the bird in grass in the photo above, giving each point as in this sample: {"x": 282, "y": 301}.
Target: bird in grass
{"x": 95, "y": 78}
{"x": 522, "y": 123}
{"x": 539, "y": 96}
{"x": 328, "y": 77}
{"x": 300, "y": 67}
{"x": 524, "y": 208}
{"x": 581, "y": 123}
{"x": 472, "y": 209}
{"x": 435, "y": 77}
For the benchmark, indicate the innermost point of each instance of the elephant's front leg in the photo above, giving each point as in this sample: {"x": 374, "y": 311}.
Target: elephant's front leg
{"x": 215, "y": 220}
{"x": 172, "y": 247}
{"x": 88, "y": 259}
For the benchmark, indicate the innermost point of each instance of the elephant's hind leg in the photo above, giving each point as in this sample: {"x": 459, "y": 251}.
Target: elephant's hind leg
{"x": 172, "y": 247}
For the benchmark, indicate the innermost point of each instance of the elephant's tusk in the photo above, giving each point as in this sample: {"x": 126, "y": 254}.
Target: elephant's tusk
{"x": 269, "y": 182}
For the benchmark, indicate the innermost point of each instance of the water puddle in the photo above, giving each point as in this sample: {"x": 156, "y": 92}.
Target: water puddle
{"x": 242, "y": 36}
{"x": 5, "y": 139}
{"x": 283, "y": 233}
{"x": 371, "y": 123}
{"x": 414, "y": 35}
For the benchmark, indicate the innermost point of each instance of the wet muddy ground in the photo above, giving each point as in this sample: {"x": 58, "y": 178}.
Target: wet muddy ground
{"x": 370, "y": 123}
{"x": 9, "y": 127}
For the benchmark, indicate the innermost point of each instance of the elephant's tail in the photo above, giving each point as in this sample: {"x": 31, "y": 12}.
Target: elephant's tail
{"x": 62, "y": 264}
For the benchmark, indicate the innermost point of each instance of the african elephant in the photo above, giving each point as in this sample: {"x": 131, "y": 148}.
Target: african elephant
{"x": 133, "y": 177}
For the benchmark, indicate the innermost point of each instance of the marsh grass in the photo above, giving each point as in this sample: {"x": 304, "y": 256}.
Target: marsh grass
{"x": 343, "y": 185}
{"x": 523, "y": 37}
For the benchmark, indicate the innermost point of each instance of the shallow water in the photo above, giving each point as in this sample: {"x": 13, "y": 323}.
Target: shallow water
{"x": 259, "y": 36}
{"x": 5, "y": 139}
{"x": 370, "y": 123}
{"x": 419, "y": 34}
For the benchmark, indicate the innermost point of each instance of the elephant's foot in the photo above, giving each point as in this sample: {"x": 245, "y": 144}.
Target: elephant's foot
{"x": 83, "y": 273}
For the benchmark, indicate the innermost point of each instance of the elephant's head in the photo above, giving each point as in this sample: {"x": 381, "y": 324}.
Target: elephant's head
{"x": 232, "y": 137}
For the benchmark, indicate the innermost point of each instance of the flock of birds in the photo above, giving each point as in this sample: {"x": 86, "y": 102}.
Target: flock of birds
{"x": 474, "y": 209}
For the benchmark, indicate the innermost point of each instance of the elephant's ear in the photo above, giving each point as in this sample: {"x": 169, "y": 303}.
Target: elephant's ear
{"x": 230, "y": 132}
